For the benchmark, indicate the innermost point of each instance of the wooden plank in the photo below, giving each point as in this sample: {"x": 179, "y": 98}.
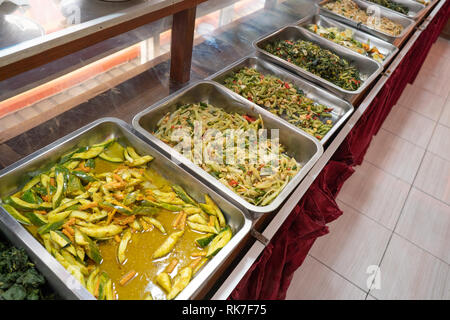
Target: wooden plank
{"x": 182, "y": 44}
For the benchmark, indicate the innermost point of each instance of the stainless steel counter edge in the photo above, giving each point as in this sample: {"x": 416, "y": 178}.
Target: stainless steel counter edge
{"x": 255, "y": 250}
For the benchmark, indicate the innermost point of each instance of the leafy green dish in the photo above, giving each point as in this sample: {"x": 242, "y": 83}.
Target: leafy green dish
{"x": 19, "y": 279}
{"x": 319, "y": 61}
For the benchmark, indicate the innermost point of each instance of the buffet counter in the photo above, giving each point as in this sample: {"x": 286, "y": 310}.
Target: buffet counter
{"x": 262, "y": 264}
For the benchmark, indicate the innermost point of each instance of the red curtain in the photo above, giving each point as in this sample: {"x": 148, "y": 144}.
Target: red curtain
{"x": 270, "y": 276}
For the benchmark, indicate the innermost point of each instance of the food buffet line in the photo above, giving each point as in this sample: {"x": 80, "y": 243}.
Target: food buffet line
{"x": 114, "y": 211}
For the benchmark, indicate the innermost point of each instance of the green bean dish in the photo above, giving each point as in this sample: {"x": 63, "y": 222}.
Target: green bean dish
{"x": 258, "y": 182}
{"x": 318, "y": 61}
{"x": 283, "y": 99}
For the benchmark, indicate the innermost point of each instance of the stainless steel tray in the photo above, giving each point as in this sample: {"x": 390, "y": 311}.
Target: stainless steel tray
{"x": 415, "y": 8}
{"x": 305, "y": 149}
{"x": 398, "y": 18}
{"x": 341, "y": 109}
{"x": 387, "y": 49}
{"x": 369, "y": 69}
{"x": 96, "y": 132}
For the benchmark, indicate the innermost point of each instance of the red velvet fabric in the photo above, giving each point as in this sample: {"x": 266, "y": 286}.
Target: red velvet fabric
{"x": 270, "y": 276}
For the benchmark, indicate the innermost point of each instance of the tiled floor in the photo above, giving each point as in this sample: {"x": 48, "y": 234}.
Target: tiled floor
{"x": 393, "y": 240}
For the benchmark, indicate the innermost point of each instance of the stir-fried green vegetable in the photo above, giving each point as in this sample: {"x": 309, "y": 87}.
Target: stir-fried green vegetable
{"x": 346, "y": 39}
{"x": 318, "y": 61}
{"x": 19, "y": 279}
{"x": 392, "y": 5}
{"x": 283, "y": 99}
{"x": 73, "y": 209}
{"x": 258, "y": 181}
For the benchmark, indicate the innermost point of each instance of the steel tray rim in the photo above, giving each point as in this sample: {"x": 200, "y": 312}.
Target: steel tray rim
{"x": 302, "y": 22}
{"x": 195, "y": 169}
{"x": 415, "y": 16}
{"x": 9, "y": 225}
{"x": 380, "y": 34}
{"x": 302, "y": 72}
{"x": 337, "y": 124}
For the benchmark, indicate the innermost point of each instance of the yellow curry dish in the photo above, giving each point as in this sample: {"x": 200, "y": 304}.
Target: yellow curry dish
{"x": 119, "y": 227}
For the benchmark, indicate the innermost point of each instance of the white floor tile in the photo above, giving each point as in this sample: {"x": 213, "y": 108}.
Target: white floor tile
{"x": 314, "y": 281}
{"x": 425, "y": 221}
{"x": 354, "y": 243}
{"x": 408, "y": 272}
{"x": 434, "y": 177}
{"x": 422, "y": 101}
{"x": 425, "y": 79}
{"x": 409, "y": 125}
{"x": 375, "y": 193}
{"x": 440, "y": 142}
{"x": 441, "y": 47}
{"x": 447, "y": 288}
{"x": 395, "y": 155}
{"x": 445, "y": 116}
{"x": 438, "y": 65}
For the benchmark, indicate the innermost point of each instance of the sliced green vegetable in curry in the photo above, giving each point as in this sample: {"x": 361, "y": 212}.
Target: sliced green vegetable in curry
{"x": 117, "y": 226}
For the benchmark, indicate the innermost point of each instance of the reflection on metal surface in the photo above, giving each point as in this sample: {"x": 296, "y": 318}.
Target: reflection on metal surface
{"x": 149, "y": 49}
{"x": 79, "y": 11}
{"x": 16, "y": 29}
{"x": 227, "y": 28}
{"x": 68, "y": 81}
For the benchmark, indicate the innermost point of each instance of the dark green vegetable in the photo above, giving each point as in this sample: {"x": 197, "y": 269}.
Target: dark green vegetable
{"x": 85, "y": 177}
{"x": 318, "y": 61}
{"x": 19, "y": 279}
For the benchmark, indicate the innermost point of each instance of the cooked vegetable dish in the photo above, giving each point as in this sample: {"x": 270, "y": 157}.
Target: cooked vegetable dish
{"x": 19, "y": 278}
{"x": 117, "y": 226}
{"x": 392, "y": 5}
{"x": 350, "y": 9}
{"x": 345, "y": 38}
{"x": 283, "y": 99}
{"x": 258, "y": 181}
{"x": 319, "y": 61}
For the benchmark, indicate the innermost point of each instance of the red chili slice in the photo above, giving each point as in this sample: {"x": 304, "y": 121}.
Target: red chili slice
{"x": 233, "y": 183}
{"x": 248, "y": 118}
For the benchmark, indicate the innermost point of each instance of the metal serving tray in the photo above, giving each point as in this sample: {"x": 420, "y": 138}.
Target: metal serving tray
{"x": 98, "y": 131}
{"x": 305, "y": 149}
{"x": 384, "y": 12}
{"x": 415, "y": 8}
{"x": 369, "y": 69}
{"x": 387, "y": 49}
{"x": 341, "y": 108}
